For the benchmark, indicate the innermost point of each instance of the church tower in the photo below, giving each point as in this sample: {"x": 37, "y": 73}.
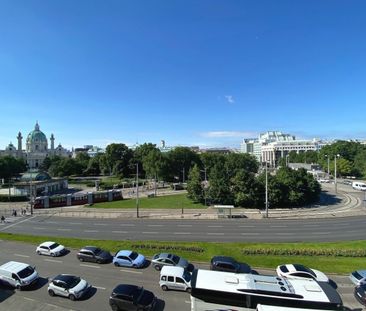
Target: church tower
{"x": 52, "y": 139}
{"x": 20, "y": 147}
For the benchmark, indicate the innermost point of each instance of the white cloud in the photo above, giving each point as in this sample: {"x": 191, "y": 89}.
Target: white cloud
{"x": 230, "y": 99}
{"x": 228, "y": 134}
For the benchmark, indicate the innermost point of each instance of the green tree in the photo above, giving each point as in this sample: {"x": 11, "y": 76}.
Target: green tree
{"x": 243, "y": 188}
{"x": 11, "y": 167}
{"x": 219, "y": 191}
{"x": 117, "y": 160}
{"x": 194, "y": 185}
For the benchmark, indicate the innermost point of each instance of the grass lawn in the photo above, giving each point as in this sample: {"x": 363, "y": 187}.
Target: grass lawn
{"x": 203, "y": 251}
{"x": 176, "y": 201}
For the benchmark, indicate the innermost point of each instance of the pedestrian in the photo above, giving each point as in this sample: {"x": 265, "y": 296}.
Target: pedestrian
{"x": 15, "y": 213}
{"x": 2, "y": 218}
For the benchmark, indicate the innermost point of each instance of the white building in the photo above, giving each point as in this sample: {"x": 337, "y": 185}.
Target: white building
{"x": 36, "y": 148}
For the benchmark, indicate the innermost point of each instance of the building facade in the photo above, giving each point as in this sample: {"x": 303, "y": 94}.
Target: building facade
{"x": 36, "y": 148}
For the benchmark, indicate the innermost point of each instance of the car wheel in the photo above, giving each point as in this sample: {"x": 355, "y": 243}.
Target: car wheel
{"x": 188, "y": 290}
{"x": 164, "y": 287}
{"x": 134, "y": 266}
{"x": 116, "y": 264}
{"x": 18, "y": 287}
{"x": 81, "y": 259}
{"x": 99, "y": 261}
{"x": 72, "y": 297}
{"x": 51, "y": 293}
{"x": 114, "y": 307}
{"x": 53, "y": 254}
{"x": 38, "y": 252}
{"x": 157, "y": 268}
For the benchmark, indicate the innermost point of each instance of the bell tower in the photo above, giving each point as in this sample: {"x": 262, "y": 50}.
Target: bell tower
{"x": 20, "y": 147}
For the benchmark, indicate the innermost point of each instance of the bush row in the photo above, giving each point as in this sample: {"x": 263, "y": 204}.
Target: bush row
{"x": 169, "y": 248}
{"x": 305, "y": 252}
{"x": 13, "y": 198}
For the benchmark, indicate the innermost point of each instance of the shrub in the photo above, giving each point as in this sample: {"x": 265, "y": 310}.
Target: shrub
{"x": 13, "y": 198}
{"x": 305, "y": 252}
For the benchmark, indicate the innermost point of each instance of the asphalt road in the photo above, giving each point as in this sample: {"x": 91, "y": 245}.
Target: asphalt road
{"x": 228, "y": 230}
{"x": 103, "y": 278}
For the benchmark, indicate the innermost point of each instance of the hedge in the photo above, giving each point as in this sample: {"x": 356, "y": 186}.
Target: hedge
{"x": 305, "y": 252}
{"x": 13, "y": 198}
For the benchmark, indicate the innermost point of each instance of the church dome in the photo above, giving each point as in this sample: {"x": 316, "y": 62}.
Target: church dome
{"x": 36, "y": 136}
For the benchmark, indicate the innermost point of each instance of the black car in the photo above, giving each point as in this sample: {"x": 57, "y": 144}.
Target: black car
{"x": 360, "y": 293}
{"x": 131, "y": 298}
{"x": 229, "y": 264}
{"x": 94, "y": 254}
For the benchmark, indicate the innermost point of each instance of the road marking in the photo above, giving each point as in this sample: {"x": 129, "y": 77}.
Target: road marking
{"x": 251, "y": 233}
{"x": 149, "y": 232}
{"x": 17, "y": 223}
{"x": 127, "y": 225}
{"x": 184, "y": 225}
{"x": 284, "y": 233}
{"x": 39, "y": 228}
{"x": 316, "y": 233}
{"x": 91, "y": 231}
{"x": 155, "y": 225}
{"x": 53, "y": 306}
{"x": 119, "y": 231}
{"x": 53, "y": 260}
{"x": 187, "y": 301}
{"x": 100, "y": 225}
{"x": 214, "y": 226}
{"x": 215, "y": 233}
{"x": 20, "y": 255}
{"x": 63, "y": 229}
{"x": 75, "y": 223}
{"x": 246, "y": 226}
{"x": 311, "y": 225}
{"x": 90, "y": 266}
{"x": 98, "y": 287}
{"x": 129, "y": 271}
{"x": 51, "y": 222}
{"x": 30, "y": 299}
{"x": 278, "y": 226}
{"x": 182, "y": 233}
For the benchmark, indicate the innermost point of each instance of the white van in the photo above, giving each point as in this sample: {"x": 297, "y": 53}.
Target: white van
{"x": 359, "y": 185}
{"x": 177, "y": 278}
{"x": 18, "y": 274}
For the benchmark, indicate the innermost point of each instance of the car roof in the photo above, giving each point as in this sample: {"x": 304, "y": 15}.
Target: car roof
{"x": 124, "y": 252}
{"x": 223, "y": 259}
{"x": 89, "y": 248}
{"x": 297, "y": 268}
{"x": 14, "y": 266}
{"x": 125, "y": 289}
{"x": 64, "y": 277}
{"x": 48, "y": 243}
{"x": 173, "y": 270}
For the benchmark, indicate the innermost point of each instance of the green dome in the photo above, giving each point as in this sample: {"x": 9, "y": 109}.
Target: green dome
{"x": 36, "y": 135}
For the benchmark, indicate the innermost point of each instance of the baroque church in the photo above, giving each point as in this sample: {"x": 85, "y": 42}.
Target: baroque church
{"x": 36, "y": 148}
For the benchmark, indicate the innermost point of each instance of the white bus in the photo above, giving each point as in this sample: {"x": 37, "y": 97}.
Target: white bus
{"x": 224, "y": 291}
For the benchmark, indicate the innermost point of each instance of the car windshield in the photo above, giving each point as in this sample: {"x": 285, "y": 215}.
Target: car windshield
{"x": 25, "y": 272}
{"x": 54, "y": 245}
{"x": 133, "y": 255}
{"x": 302, "y": 268}
{"x": 137, "y": 294}
{"x": 187, "y": 276}
{"x": 357, "y": 275}
{"x": 97, "y": 251}
{"x": 72, "y": 281}
{"x": 175, "y": 259}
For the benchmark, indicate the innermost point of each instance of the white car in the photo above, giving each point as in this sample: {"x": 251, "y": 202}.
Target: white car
{"x": 358, "y": 277}
{"x": 51, "y": 249}
{"x": 300, "y": 271}
{"x": 69, "y": 286}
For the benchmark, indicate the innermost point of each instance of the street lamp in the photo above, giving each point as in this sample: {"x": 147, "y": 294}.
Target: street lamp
{"x": 137, "y": 190}
{"x": 328, "y": 164}
{"x": 335, "y": 172}
{"x": 204, "y": 188}
{"x": 266, "y": 191}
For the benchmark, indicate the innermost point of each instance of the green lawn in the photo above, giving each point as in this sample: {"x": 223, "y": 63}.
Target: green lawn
{"x": 203, "y": 251}
{"x": 176, "y": 201}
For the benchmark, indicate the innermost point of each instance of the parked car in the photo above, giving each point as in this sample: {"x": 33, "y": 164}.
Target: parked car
{"x": 125, "y": 258}
{"x": 166, "y": 259}
{"x": 358, "y": 277}
{"x": 323, "y": 180}
{"x": 300, "y": 271}
{"x": 176, "y": 278}
{"x": 69, "y": 286}
{"x": 51, "y": 249}
{"x": 94, "y": 254}
{"x": 18, "y": 274}
{"x": 132, "y": 298}
{"x": 229, "y": 264}
{"x": 360, "y": 293}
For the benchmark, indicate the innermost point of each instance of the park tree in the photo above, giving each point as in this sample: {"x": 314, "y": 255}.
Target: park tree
{"x": 11, "y": 167}
{"x": 194, "y": 185}
{"x": 65, "y": 167}
{"x": 117, "y": 160}
{"x": 93, "y": 167}
{"x": 243, "y": 188}
{"x": 219, "y": 191}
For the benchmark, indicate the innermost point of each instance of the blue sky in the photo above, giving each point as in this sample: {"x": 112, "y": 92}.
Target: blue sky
{"x": 205, "y": 73}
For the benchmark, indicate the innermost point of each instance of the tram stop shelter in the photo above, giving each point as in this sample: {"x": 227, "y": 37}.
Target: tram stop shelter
{"x": 224, "y": 211}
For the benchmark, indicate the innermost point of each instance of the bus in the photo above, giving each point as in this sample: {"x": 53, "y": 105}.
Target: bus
{"x": 225, "y": 291}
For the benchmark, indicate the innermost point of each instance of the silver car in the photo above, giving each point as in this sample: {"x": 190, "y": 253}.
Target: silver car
{"x": 166, "y": 259}
{"x": 69, "y": 286}
{"x": 358, "y": 277}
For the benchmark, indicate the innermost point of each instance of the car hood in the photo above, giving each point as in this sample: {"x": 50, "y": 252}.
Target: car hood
{"x": 30, "y": 278}
{"x": 147, "y": 298}
{"x": 320, "y": 276}
{"x": 183, "y": 263}
{"x": 80, "y": 286}
{"x": 140, "y": 259}
{"x": 58, "y": 249}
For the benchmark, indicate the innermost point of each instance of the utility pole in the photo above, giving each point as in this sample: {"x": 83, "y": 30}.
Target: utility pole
{"x": 137, "y": 190}
{"x": 266, "y": 191}
{"x": 335, "y": 172}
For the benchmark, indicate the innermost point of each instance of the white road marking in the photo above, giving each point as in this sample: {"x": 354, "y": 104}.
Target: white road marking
{"x": 98, "y": 287}
{"x": 39, "y": 228}
{"x": 17, "y": 223}
{"x": 246, "y": 226}
{"x": 316, "y": 233}
{"x": 91, "y": 231}
{"x": 130, "y": 271}
{"x": 284, "y": 233}
{"x": 184, "y": 225}
{"x": 214, "y": 226}
{"x": 30, "y": 299}
{"x": 277, "y": 226}
{"x": 53, "y": 260}
{"x": 215, "y": 233}
{"x": 51, "y": 222}
{"x": 155, "y": 225}
{"x": 119, "y": 231}
{"x": 187, "y": 301}
{"x": 53, "y": 306}
{"x": 127, "y": 225}
{"x": 90, "y": 266}
{"x": 100, "y": 225}
{"x": 182, "y": 233}
{"x": 149, "y": 232}
{"x": 20, "y": 255}
{"x": 311, "y": 225}
{"x": 251, "y": 233}
{"x": 75, "y": 223}
{"x": 63, "y": 229}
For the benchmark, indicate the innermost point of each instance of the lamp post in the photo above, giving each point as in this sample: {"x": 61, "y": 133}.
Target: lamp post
{"x": 335, "y": 172}
{"x": 328, "y": 164}
{"x": 204, "y": 188}
{"x": 266, "y": 191}
{"x": 137, "y": 190}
